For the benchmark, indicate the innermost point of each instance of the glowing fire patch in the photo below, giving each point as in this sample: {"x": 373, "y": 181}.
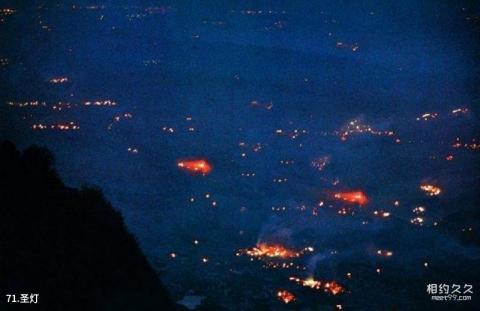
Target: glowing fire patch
{"x": 285, "y": 296}
{"x": 430, "y": 190}
{"x": 331, "y": 287}
{"x": 263, "y": 250}
{"x": 195, "y": 166}
{"x": 353, "y": 197}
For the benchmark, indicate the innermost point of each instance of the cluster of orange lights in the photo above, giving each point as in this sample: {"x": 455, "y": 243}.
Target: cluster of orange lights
{"x": 275, "y": 255}
{"x": 331, "y": 287}
{"x": 195, "y": 166}
{"x": 285, "y": 296}
{"x": 60, "y": 126}
{"x": 472, "y": 145}
{"x": 357, "y": 127}
{"x": 263, "y": 250}
{"x": 273, "y": 251}
{"x": 430, "y": 190}
{"x": 353, "y": 197}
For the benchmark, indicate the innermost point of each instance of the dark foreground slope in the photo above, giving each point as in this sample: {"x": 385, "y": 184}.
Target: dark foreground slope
{"x": 65, "y": 244}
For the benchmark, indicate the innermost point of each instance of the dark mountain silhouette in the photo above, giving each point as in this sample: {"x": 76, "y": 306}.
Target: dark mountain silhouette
{"x": 68, "y": 245}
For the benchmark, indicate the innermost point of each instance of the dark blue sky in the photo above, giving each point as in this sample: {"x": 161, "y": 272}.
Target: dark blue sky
{"x": 321, "y": 66}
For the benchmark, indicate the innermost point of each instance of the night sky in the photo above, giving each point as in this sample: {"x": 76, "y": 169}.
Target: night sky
{"x": 300, "y": 109}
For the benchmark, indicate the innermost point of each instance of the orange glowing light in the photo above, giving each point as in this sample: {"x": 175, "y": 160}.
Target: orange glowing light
{"x": 430, "y": 190}
{"x": 331, "y": 287}
{"x": 353, "y": 197}
{"x": 264, "y": 250}
{"x": 195, "y": 166}
{"x": 309, "y": 282}
{"x": 285, "y": 296}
